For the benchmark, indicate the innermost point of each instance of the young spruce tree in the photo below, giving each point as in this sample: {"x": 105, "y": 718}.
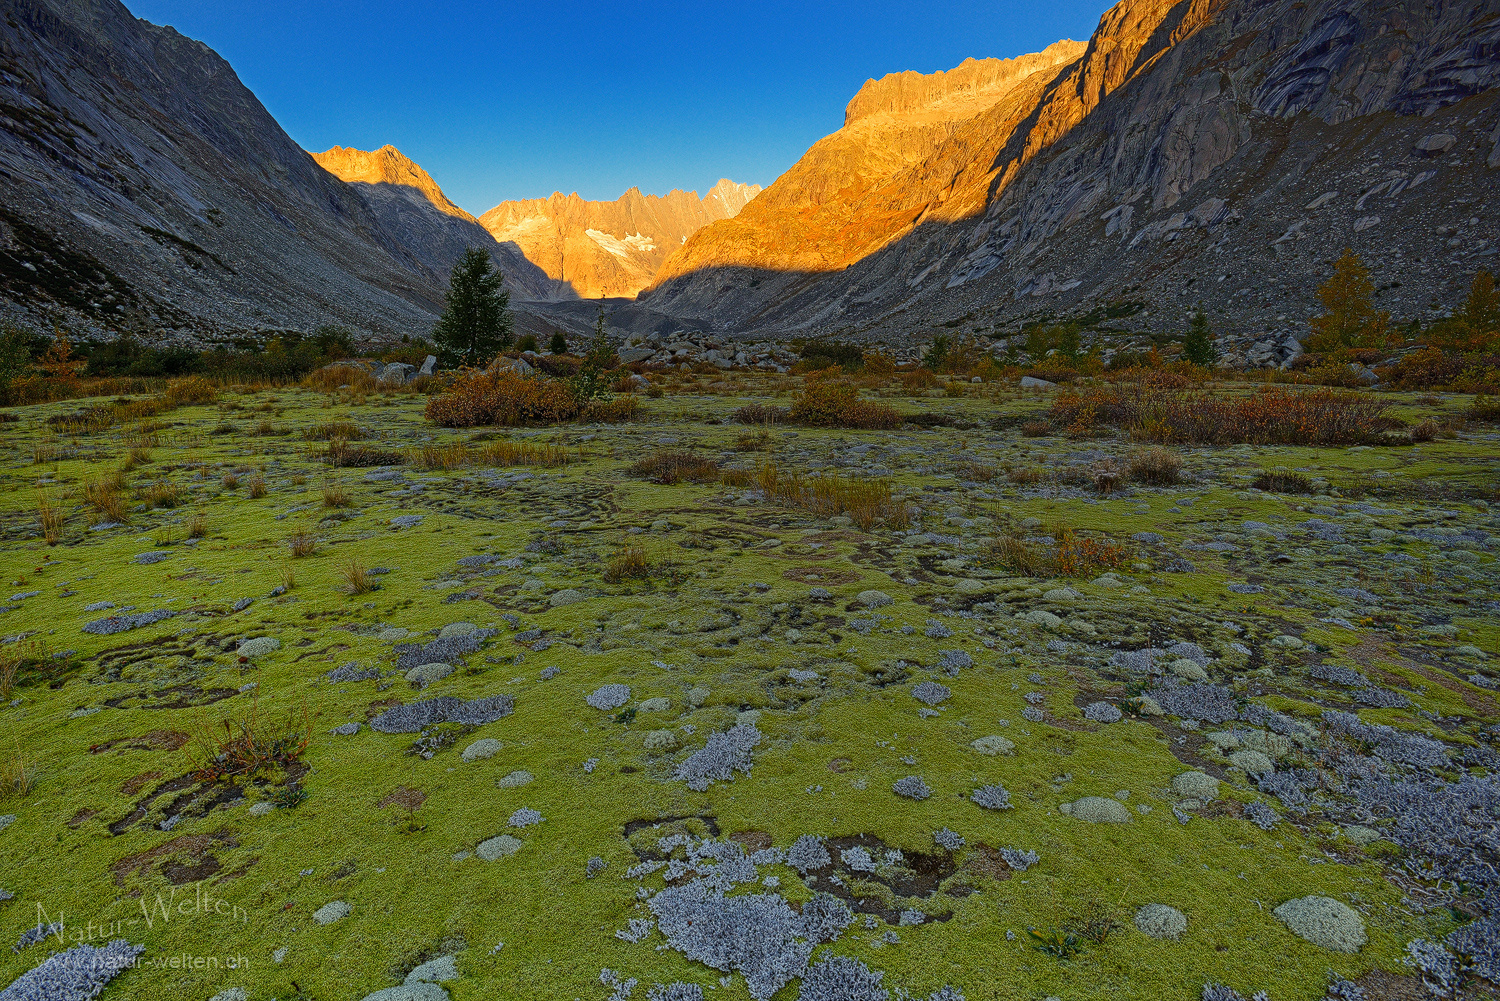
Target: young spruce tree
{"x": 1198, "y": 346}
{"x": 476, "y": 322}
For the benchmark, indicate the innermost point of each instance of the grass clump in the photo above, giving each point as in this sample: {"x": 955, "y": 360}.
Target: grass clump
{"x": 347, "y": 430}
{"x": 357, "y": 579}
{"x": 1283, "y": 481}
{"x": 197, "y": 525}
{"x": 1157, "y": 467}
{"x": 453, "y": 455}
{"x": 1069, "y": 555}
{"x": 760, "y": 413}
{"x": 17, "y": 775}
{"x": 616, "y": 411}
{"x": 829, "y": 403}
{"x": 161, "y": 494}
{"x": 50, "y": 516}
{"x": 256, "y": 486}
{"x": 103, "y": 495}
{"x": 342, "y": 454}
{"x": 867, "y": 502}
{"x": 335, "y": 495}
{"x": 675, "y": 466}
{"x": 513, "y": 453}
{"x": 239, "y": 750}
{"x": 193, "y": 390}
{"x": 627, "y": 564}
{"x": 301, "y": 543}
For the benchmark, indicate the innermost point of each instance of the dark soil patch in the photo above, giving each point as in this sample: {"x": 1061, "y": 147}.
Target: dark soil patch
{"x": 156, "y": 740}
{"x": 182, "y": 860}
{"x": 176, "y": 697}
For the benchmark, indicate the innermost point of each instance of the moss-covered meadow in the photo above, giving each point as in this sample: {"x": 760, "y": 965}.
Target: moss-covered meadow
{"x": 730, "y": 608}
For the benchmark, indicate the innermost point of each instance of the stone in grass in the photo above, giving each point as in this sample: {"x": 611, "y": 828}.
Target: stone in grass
{"x": 259, "y": 646}
{"x": 1252, "y": 762}
{"x": 660, "y": 740}
{"x": 874, "y": 599}
{"x": 931, "y": 692}
{"x": 1097, "y": 810}
{"x": 607, "y": 697}
{"x": 498, "y": 847}
{"x": 406, "y": 521}
{"x": 425, "y": 674}
{"x": 1325, "y": 922}
{"x": 697, "y": 695}
{"x": 1187, "y": 670}
{"x": 485, "y": 747}
{"x": 567, "y": 596}
{"x": 656, "y": 705}
{"x": 453, "y": 629}
{"x": 1102, "y": 712}
{"x": 262, "y": 808}
{"x": 7, "y": 820}
{"x": 1161, "y": 922}
{"x": 912, "y": 787}
{"x": 516, "y": 780}
{"x": 1196, "y": 785}
{"x": 993, "y": 744}
{"x": 434, "y": 971}
{"x": 334, "y": 910}
{"x": 409, "y": 992}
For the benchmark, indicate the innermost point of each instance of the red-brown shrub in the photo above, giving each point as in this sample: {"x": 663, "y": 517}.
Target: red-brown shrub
{"x": 504, "y": 398}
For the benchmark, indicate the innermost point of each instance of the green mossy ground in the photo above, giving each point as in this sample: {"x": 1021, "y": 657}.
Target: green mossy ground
{"x": 730, "y": 612}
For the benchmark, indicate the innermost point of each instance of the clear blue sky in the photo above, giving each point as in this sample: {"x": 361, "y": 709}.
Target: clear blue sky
{"x": 503, "y": 100}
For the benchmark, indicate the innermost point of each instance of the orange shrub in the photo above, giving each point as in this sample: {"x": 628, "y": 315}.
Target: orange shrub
{"x": 504, "y": 398}
{"x": 828, "y": 403}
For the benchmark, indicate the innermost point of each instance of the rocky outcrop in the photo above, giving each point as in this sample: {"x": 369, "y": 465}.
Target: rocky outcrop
{"x": 143, "y": 188}
{"x": 610, "y": 249}
{"x": 409, "y": 203}
{"x": 1220, "y": 151}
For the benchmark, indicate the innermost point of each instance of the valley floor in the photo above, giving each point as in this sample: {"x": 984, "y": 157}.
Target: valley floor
{"x": 1220, "y": 725}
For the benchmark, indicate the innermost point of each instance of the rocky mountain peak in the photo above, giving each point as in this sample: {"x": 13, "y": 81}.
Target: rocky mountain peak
{"x": 971, "y": 84}
{"x": 386, "y": 165}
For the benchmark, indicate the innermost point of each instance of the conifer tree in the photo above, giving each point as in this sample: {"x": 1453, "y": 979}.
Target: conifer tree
{"x": 476, "y": 323}
{"x": 1198, "y": 346}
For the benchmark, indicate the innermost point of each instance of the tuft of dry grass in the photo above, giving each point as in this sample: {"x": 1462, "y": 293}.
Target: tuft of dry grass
{"x": 10, "y": 665}
{"x": 347, "y": 430}
{"x": 1026, "y": 475}
{"x": 675, "y": 466}
{"x": 161, "y": 493}
{"x": 357, "y": 578}
{"x": 616, "y": 411}
{"x": 197, "y": 525}
{"x": 301, "y": 543}
{"x": 230, "y": 479}
{"x": 256, "y": 486}
{"x": 867, "y": 502}
{"x": 514, "y": 453}
{"x": 453, "y": 455}
{"x": 342, "y": 454}
{"x": 349, "y": 378}
{"x": 243, "y": 748}
{"x": 1035, "y": 429}
{"x": 336, "y": 496}
{"x": 760, "y": 413}
{"x": 1158, "y": 467}
{"x": 103, "y": 494}
{"x": 50, "y": 516}
{"x": 47, "y": 449}
{"x": 193, "y": 390}
{"x": 17, "y": 775}
{"x": 628, "y": 564}
{"x": 1072, "y": 555}
{"x": 977, "y": 472}
{"x": 1283, "y": 481}
{"x": 288, "y": 578}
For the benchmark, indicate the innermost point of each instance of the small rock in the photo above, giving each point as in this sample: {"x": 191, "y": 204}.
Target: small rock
{"x": 697, "y": 695}
{"x": 1252, "y": 762}
{"x": 993, "y": 744}
{"x": 406, "y": 521}
{"x": 1196, "y": 785}
{"x": 1324, "y": 922}
{"x": 661, "y": 740}
{"x": 453, "y": 629}
{"x": 516, "y": 780}
{"x": 568, "y": 596}
{"x": 498, "y": 847}
{"x": 258, "y": 647}
{"x": 486, "y": 747}
{"x": 1032, "y": 382}
{"x": 1184, "y": 668}
{"x": 434, "y": 971}
{"x": 1161, "y": 922}
{"x": 330, "y": 912}
{"x": 874, "y": 599}
{"x": 409, "y": 992}
{"x": 262, "y": 808}
{"x": 656, "y": 705}
{"x": 1361, "y": 835}
{"x": 425, "y": 674}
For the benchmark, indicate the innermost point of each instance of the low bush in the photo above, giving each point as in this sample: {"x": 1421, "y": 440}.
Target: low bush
{"x": 1157, "y": 467}
{"x": 344, "y": 454}
{"x": 239, "y": 750}
{"x": 617, "y": 411}
{"x": 829, "y": 403}
{"x": 504, "y": 398}
{"x": 675, "y": 466}
{"x": 628, "y": 564}
{"x": 867, "y": 502}
{"x": 1283, "y": 481}
{"x": 760, "y": 413}
{"x": 1273, "y": 416}
{"x": 347, "y": 430}
{"x": 1070, "y": 555}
